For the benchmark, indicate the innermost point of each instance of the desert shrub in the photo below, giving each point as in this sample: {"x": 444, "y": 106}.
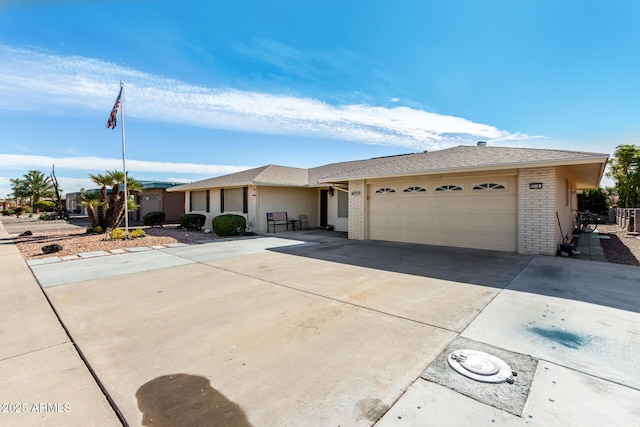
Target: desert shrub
{"x": 44, "y": 205}
{"x": 229, "y": 225}
{"x": 116, "y": 234}
{"x": 7, "y": 212}
{"x": 46, "y": 216}
{"x": 154, "y": 218}
{"x": 50, "y": 249}
{"x": 20, "y": 210}
{"x": 98, "y": 230}
{"x": 192, "y": 221}
{"x": 138, "y": 232}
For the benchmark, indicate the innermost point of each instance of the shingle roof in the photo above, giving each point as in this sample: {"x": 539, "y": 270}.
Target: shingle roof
{"x": 270, "y": 174}
{"x": 458, "y": 158}
{"x": 466, "y": 158}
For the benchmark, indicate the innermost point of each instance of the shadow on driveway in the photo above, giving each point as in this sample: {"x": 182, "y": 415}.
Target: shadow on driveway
{"x": 479, "y": 267}
{"x": 611, "y": 285}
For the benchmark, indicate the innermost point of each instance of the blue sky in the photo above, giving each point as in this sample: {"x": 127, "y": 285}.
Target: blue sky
{"x": 216, "y": 87}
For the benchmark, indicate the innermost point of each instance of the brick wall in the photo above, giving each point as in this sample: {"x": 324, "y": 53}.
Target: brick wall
{"x": 357, "y": 200}
{"x": 536, "y": 212}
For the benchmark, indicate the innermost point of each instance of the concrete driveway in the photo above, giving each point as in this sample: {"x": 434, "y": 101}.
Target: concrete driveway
{"x": 316, "y": 331}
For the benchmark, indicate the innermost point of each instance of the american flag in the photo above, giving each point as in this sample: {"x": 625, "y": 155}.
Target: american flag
{"x": 111, "y": 123}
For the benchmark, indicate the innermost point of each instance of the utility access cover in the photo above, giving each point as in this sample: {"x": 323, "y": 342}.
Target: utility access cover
{"x": 474, "y": 368}
{"x": 480, "y": 366}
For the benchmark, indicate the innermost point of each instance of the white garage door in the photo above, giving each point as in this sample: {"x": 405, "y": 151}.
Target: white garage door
{"x": 466, "y": 212}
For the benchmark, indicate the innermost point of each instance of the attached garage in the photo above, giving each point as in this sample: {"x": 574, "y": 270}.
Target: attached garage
{"x": 473, "y": 212}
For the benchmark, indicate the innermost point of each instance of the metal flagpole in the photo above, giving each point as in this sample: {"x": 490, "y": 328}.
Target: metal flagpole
{"x": 124, "y": 166}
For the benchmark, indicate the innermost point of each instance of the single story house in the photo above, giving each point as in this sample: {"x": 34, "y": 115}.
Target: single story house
{"x": 152, "y": 198}
{"x": 500, "y": 198}
{"x": 155, "y": 198}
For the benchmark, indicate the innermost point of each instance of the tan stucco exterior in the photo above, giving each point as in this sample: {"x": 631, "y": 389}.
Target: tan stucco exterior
{"x": 527, "y": 208}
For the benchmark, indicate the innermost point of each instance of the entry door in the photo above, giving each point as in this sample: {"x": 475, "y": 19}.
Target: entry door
{"x": 324, "y": 202}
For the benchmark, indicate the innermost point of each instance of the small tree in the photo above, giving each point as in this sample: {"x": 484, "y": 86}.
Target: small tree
{"x": 624, "y": 169}
{"x": 33, "y": 186}
{"x": 109, "y": 208}
{"x": 595, "y": 201}
{"x": 90, "y": 201}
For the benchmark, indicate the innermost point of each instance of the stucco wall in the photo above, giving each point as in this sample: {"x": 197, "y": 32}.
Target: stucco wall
{"x": 294, "y": 201}
{"x": 339, "y": 223}
{"x": 566, "y": 201}
{"x": 537, "y": 222}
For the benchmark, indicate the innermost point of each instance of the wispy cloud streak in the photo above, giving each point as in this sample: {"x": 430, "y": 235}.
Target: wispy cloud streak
{"x": 42, "y": 82}
{"x": 18, "y": 161}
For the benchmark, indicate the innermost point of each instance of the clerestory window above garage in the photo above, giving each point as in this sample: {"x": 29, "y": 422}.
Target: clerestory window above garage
{"x": 489, "y": 186}
{"x": 414, "y": 190}
{"x": 385, "y": 190}
{"x": 450, "y": 187}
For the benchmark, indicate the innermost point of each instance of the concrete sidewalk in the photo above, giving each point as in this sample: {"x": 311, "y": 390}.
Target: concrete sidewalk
{"x": 44, "y": 380}
{"x": 318, "y": 330}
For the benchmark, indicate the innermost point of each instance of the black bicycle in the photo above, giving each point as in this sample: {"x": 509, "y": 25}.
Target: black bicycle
{"x": 586, "y": 222}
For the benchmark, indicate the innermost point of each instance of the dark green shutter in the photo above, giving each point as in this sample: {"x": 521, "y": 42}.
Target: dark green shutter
{"x": 245, "y": 199}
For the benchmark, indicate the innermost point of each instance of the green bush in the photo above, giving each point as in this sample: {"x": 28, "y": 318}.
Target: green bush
{"x": 7, "y": 212}
{"x": 98, "y": 230}
{"x": 137, "y": 233}
{"x": 192, "y": 221}
{"x": 44, "y": 205}
{"x": 229, "y": 225}
{"x": 154, "y": 218}
{"x": 21, "y": 209}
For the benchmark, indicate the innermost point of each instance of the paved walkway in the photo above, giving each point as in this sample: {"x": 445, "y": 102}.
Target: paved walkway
{"x": 590, "y": 247}
{"x": 317, "y": 330}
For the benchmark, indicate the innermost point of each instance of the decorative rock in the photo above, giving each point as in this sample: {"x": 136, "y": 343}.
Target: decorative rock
{"x": 49, "y": 249}
{"x": 26, "y": 233}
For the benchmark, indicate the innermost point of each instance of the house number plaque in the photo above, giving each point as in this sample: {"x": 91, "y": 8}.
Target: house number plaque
{"x": 535, "y": 186}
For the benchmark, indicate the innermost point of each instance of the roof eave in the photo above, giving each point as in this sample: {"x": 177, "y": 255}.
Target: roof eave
{"x": 188, "y": 187}
{"x": 566, "y": 162}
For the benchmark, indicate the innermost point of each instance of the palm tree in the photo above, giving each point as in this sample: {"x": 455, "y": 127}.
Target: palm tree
{"x": 33, "y": 185}
{"x": 110, "y": 211}
{"x": 91, "y": 201}
{"x": 117, "y": 199}
{"x": 101, "y": 209}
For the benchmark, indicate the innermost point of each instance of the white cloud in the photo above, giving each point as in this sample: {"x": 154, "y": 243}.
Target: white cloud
{"x": 36, "y": 81}
{"x": 102, "y": 164}
{"x": 66, "y": 166}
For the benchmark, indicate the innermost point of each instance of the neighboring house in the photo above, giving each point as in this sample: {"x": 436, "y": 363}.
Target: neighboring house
{"x": 499, "y": 198}
{"x": 72, "y": 204}
{"x": 155, "y": 198}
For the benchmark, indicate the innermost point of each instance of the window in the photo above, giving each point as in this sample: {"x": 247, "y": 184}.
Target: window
{"x": 234, "y": 200}
{"x": 385, "y": 190}
{"x": 343, "y": 204}
{"x": 449, "y": 188}
{"x": 489, "y": 186}
{"x": 199, "y": 201}
{"x": 414, "y": 190}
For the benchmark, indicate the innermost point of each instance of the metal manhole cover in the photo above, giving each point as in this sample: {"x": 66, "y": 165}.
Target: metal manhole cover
{"x": 481, "y": 366}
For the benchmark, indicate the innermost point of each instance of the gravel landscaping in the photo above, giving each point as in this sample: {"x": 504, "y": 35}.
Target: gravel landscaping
{"x": 622, "y": 248}
{"x": 73, "y": 238}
